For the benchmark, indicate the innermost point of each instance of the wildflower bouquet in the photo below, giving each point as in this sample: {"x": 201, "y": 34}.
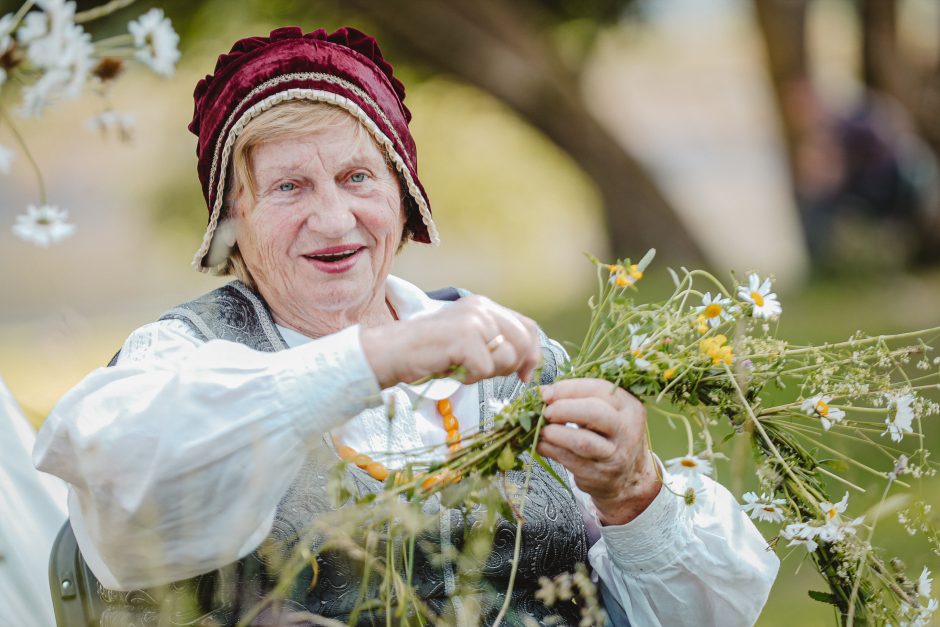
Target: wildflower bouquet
{"x": 706, "y": 358}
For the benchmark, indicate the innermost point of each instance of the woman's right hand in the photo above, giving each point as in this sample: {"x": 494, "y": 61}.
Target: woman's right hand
{"x": 465, "y": 334}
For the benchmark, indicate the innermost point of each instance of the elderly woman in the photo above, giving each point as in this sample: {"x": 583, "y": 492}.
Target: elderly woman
{"x": 215, "y": 428}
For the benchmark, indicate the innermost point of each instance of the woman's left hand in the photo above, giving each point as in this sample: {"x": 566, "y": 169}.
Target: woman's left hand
{"x": 608, "y": 455}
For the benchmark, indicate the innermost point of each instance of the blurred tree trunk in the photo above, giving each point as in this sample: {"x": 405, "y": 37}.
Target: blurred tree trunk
{"x": 885, "y": 69}
{"x": 500, "y": 48}
{"x": 879, "y": 45}
{"x": 782, "y": 25}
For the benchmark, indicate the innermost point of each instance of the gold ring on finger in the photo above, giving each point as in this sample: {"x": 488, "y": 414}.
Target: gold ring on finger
{"x": 496, "y": 342}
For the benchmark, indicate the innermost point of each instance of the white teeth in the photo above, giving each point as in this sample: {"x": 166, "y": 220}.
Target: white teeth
{"x": 331, "y": 258}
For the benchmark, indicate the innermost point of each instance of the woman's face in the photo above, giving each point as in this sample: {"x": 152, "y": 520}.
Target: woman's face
{"x": 326, "y": 222}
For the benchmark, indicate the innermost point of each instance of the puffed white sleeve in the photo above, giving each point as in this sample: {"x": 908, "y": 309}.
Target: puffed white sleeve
{"x": 178, "y": 455}
{"x": 678, "y": 565}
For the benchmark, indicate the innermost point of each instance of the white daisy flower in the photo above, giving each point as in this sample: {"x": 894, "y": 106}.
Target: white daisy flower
{"x": 801, "y": 533}
{"x": 693, "y": 497}
{"x": 925, "y": 583}
{"x": 689, "y": 466}
{"x": 496, "y": 405}
{"x": 53, "y": 18}
{"x": 6, "y": 31}
{"x": 819, "y": 406}
{"x": 6, "y": 159}
{"x": 716, "y": 309}
{"x": 615, "y": 364}
{"x": 59, "y": 47}
{"x": 637, "y": 344}
{"x": 764, "y": 508}
{"x": 918, "y": 615}
{"x": 113, "y": 122}
{"x": 765, "y": 303}
{"x": 836, "y": 527}
{"x": 156, "y": 41}
{"x": 901, "y": 421}
{"x": 43, "y": 225}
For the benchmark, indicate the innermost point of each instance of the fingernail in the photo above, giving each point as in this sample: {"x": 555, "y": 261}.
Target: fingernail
{"x": 546, "y": 391}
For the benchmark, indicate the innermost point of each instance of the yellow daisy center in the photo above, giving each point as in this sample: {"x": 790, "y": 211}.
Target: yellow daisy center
{"x": 832, "y": 513}
{"x": 670, "y": 373}
{"x": 769, "y": 508}
{"x": 622, "y": 280}
{"x": 822, "y": 409}
{"x": 688, "y": 463}
{"x": 713, "y": 310}
{"x": 758, "y": 299}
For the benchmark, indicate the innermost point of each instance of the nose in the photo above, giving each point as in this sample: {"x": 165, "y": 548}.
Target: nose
{"x": 331, "y": 212}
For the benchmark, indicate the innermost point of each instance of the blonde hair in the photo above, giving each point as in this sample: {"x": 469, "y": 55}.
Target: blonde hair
{"x": 288, "y": 119}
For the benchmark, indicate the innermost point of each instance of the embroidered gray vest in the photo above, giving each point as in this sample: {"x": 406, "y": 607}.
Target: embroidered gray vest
{"x": 553, "y": 539}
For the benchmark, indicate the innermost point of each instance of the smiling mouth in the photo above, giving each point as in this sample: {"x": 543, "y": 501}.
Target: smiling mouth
{"x": 334, "y": 257}
{"x": 334, "y": 254}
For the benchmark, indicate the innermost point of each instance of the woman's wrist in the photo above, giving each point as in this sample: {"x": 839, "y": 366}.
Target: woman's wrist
{"x": 379, "y": 347}
{"x": 640, "y": 491}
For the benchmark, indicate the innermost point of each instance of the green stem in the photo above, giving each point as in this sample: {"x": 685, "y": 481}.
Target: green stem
{"x": 21, "y": 13}
{"x": 116, "y": 40}
{"x": 518, "y": 546}
{"x": 103, "y": 10}
{"x": 865, "y": 341}
{"x": 769, "y": 442}
{"x": 29, "y": 155}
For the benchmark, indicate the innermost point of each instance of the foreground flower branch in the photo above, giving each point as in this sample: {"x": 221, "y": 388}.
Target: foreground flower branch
{"x": 51, "y": 57}
{"x": 705, "y": 357}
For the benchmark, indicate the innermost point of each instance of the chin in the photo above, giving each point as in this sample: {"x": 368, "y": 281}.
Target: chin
{"x": 340, "y": 295}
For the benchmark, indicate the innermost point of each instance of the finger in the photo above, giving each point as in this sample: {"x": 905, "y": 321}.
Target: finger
{"x": 588, "y": 475}
{"x": 517, "y": 334}
{"x": 579, "y": 442}
{"x": 563, "y": 456}
{"x": 582, "y": 388}
{"x": 505, "y": 358}
{"x": 478, "y": 362}
{"x": 534, "y": 357}
{"x": 593, "y": 413}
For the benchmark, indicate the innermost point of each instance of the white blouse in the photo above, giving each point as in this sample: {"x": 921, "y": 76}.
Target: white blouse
{"x": 178, "y": 455}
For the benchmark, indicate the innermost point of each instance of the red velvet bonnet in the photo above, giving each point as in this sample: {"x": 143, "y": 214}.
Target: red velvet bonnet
{"x": 344, "y": 68}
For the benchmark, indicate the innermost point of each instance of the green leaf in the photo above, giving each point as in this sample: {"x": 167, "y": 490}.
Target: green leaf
{"x": 525, "y": 419}
{"x": 647, "y": 258}
{"x": 456, "y": 494}
{"x": 548, "y": 467}
{"x": 823, "y": 597}
{"x": 838, "y": 465}
{"x": 507, "y": 459}
{"x": 675, "y": 277}
{"x": 505, "y": 510}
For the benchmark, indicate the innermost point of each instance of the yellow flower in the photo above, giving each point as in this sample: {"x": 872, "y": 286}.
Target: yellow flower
{"x": 669, "y": 373}
{"x": 623, "y": 277}
{"x": 701, "y": 324}
{"x": 715, "y": 348}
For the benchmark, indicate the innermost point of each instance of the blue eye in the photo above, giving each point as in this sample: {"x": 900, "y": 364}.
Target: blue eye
{"x": 286, "y": 187}
{"x": 358, "y": 177}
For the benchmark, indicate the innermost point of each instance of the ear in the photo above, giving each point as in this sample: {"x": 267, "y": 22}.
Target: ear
{"x": 223, "y": 240}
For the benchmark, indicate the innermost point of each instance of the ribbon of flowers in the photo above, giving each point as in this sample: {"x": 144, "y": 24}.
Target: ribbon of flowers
{"x": 708, "y": 359}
